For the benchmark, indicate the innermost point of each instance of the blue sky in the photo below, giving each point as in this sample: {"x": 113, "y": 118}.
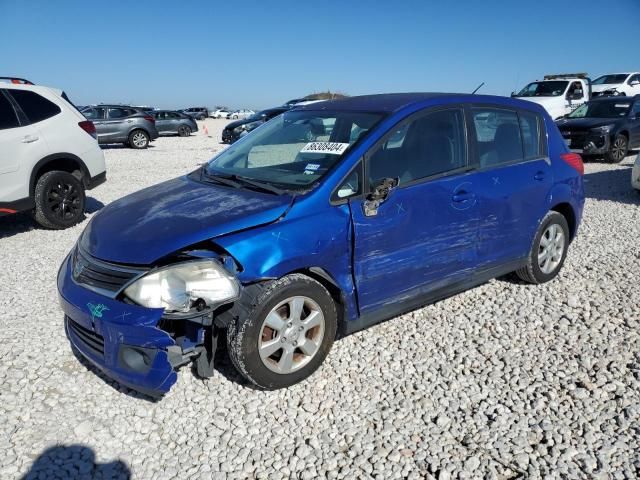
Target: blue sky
{"x": 261, "y": 53}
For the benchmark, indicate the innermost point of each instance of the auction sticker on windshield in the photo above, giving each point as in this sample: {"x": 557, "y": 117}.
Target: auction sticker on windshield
{"x": 333, "y": 148}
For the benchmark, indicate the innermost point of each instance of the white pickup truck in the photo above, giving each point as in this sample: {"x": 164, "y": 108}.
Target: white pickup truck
{"x": 558, "y": 94}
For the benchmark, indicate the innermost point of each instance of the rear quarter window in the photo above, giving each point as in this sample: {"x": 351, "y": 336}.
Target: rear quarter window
{"x": 35, "y": 107}
{"x": 8, "y": 118}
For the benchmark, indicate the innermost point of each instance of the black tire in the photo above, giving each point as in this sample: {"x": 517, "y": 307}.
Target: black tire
{"x": 532, "y": 272}
{"x": 60, "y": 200}
{"x": 618, "y": 149}
{"x": 138, "y": 139}
{"x": 244, "y": 332}
{"x": 184, "y": 130}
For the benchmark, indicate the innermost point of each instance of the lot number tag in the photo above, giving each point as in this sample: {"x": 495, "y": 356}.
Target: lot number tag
{"x": 333, "y": 148}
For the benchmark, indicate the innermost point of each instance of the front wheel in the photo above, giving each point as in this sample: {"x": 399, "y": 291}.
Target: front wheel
{"x": 548, "y": 251}
{"x": 287, "y": 331}
{"x": 618, "y": 149}
{"x": 138, "y": 139}
{"x": 59, "y": 199}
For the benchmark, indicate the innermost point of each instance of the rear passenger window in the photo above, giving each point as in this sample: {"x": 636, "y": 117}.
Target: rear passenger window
{"x": 117, "y": 113}
{"x": 8, "y": 118}
{"x": 498, "y": 136}
{"x": 34, "y": 106}
{"x": 530, "y": 130}
{"x": 431, "y": 144}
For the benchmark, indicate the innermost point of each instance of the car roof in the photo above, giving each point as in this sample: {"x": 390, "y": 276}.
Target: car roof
{"x": 393, "y": 102}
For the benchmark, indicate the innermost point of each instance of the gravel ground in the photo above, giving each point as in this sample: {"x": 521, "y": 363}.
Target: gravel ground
{"x": 504, "y": 381}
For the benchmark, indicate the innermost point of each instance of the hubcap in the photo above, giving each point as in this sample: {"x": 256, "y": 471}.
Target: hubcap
{"x": 551, "y": 248}
{"x": 63, "y": 201}
{"x": 619, "y": 148}
{"x": 139, "y": 140}
{"x": 291, "y": 335}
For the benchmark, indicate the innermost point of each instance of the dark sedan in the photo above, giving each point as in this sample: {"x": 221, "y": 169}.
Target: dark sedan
{"x": 607, "y": 127}
{"x": 170, "y": 122}
{"x": 234, "y": 130}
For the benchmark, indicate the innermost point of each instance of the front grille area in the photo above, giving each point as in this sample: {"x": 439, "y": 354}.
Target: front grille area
{"x": 91, "y": 340}
{"x": 102, "y": 277}
{"x": 578, "y": 139}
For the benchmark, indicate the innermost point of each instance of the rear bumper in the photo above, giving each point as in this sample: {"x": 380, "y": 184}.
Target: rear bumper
{"x": 121, "y": 340}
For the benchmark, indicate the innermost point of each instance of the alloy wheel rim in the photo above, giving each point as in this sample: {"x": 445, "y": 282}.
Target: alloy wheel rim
{"x": 139, "y": 139}
{"x": 551, "y": 248}
{"x": 63, "y": 201}
{"x": 619, "y": 147}
{"x": 291, "y": 335}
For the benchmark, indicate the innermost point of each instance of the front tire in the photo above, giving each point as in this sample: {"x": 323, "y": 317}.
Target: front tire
{"x": 548, "y": 251}
{"x": 284, "y": 333}
{"x": 59, "y": 199}
{"x": 618, "y": 149}
{"x": 138, "y": 139}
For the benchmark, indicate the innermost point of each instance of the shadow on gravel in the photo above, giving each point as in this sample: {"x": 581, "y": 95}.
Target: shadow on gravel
{"x": 614, "y": 185}
{"x": 11, "y": 225}
{"x": 120, "y": 146}
{"x": 74, "y": 462}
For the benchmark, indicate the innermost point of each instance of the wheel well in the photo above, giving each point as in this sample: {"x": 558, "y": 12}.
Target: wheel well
{"x": 322, "y": 277}
{"x": 566, "y": 210}
{"x": 65, "y": 163}
{"x": 625, "y": 133}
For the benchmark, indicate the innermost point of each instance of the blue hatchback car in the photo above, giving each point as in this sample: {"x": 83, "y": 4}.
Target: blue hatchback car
{"x": 323, "y": 221}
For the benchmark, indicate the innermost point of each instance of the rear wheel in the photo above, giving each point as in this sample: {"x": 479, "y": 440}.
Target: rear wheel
{"x": 184, "y": 131}
{"x": 618, "y": 149}
{"x": 59, "y": 199}
{"x": 286, "y": 333}
{"x": 548, "y": 251}
{"x": 138, "y": 139}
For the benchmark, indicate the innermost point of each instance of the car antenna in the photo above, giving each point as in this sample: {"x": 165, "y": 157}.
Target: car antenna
{"x": 479, "y": 87}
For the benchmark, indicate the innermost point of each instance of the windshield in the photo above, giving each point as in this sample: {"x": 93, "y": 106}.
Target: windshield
{"x": 614, "y": 109}
{"x": 552, "y": 88}
{"x": 294, "y": 149}
{"x": 610, "y": 79}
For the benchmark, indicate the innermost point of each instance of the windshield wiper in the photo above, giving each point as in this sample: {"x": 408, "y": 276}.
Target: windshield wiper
{"x": 260, "y": 185}
{"x": 237, "y": 181}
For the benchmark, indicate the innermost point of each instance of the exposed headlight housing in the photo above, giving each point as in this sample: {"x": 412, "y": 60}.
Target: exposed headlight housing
{"x": 178, "y": 287}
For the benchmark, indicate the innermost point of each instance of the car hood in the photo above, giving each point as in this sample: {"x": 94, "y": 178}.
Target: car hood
{"x": 160, "y": 220}
{"x": 584, "y": 123}
{"x": 242, "y": 121}
{"x": 605, "y": 86}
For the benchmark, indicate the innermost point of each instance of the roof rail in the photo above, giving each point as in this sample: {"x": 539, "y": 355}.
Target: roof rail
{"x": 584, "y": 76}
{"x": 20, "y": 81}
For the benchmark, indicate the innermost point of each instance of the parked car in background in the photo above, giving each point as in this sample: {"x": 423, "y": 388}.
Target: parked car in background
{"x": 49, "y": 155}
{"x": 241, "y": 114}
{"x": 234, "y": 130}
{"x": 122, "y": 124}
{"x": 622, "y": 84}
{"x": 171, "y": 122}
{"x": 293, "y": 102}
{"x": 145, "y": 108}
{"x": 605, "y": 126}
{"x": 558, "y": 94}
{"x": 199, "y": 113}
{"x": 287, "y": 244}
{"x": 221, "y": 113}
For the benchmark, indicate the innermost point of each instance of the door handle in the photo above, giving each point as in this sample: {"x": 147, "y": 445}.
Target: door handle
{"x": 539, "y": 176}
{"x": 461, "y": 196}
{"x": 29, "y": 139}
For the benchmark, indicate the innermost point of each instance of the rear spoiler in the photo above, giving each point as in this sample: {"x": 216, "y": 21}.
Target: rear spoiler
{"x": 16, "y": 80}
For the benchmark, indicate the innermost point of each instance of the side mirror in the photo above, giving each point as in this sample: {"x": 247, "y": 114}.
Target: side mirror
{"x": 634, "y": 82}
{"x": 380, "y": 193}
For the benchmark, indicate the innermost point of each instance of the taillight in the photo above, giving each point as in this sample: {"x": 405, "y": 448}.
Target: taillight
{"x": 89, "y": 127}
{"x": 150, "y": 118}
{"x": 574, "y": 160}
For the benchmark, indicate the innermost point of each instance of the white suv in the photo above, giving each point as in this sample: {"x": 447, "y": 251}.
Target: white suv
{"x": 49, "y": 154}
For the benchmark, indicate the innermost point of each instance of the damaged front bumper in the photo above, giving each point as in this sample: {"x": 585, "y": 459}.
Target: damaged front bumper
{"x": 126, "y": 341}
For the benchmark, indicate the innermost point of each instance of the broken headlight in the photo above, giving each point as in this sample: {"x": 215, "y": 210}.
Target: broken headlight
{"x": 177, "y": 288}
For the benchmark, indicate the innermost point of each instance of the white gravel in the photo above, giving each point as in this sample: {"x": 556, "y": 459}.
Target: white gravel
{"x": 504, "y": 381}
